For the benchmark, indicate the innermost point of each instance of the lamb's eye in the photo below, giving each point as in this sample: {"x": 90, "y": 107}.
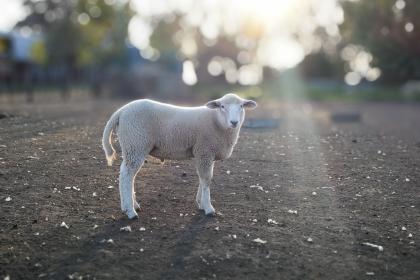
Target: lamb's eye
{"x": 223, "y": 107}
{"x": 242, "y": 106}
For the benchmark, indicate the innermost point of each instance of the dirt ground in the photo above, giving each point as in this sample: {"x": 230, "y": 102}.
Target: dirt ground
{"x": 312, "y": 191}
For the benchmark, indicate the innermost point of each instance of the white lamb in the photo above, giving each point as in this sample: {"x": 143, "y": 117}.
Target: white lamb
{"x": 145, "y": 127}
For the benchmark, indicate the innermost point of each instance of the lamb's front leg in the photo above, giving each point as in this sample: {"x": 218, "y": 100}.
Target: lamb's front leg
{"x": 205, "y": 173}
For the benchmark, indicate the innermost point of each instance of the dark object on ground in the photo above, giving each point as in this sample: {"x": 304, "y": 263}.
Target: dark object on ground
{"x": 5, "y": 115}
{"x": 346, "y": 117}
{"x": 262, "y": 123}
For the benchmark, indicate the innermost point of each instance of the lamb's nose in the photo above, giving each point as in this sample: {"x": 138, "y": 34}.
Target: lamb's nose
{"x": 234, "y": 123}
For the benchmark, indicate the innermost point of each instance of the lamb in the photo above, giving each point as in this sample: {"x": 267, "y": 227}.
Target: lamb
{"x": 146, "y": 127}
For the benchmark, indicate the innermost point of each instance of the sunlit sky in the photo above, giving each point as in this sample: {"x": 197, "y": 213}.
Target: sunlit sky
{"x": 278, "y": 20}
{"x": 273, "y": 33}
{"x": 11, "y": 11}
{"x": 283, "y": 28}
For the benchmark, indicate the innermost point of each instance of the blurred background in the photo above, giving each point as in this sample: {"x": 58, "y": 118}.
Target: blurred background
{"x": 176, "y": 49}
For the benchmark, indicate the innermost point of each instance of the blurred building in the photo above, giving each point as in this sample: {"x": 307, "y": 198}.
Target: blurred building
{"x": 23, "y": 68}
{"x": 17, "y": 64}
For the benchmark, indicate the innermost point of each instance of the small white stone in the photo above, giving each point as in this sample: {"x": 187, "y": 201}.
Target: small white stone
{"x": 259, "y": 240}
{"x": 126, "y": 229}
{"x": 313, "y": 193}
{"x": 310, "y": 239}
{"x": 257, "y": 186}
{"x": 403, "y": 228}
{"x": 142, "y": 229}
{"x": 63, "y": 224}
{"x": 8, "y": 198}
{"x": 228, "y": 172}
{"x": 380, "y": 248}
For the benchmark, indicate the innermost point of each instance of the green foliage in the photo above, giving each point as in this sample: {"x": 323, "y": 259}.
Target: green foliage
{"x": 103, "y": 38}
{"x": 380, "y": 26}
{"x": 79, "y": 33}
{"x": 39, "y": 53}
{"x": 162, "y": 37}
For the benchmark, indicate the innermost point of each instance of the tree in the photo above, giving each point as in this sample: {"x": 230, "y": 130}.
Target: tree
{"x": 390, "y": 31}
{"x": 80, "y": 35}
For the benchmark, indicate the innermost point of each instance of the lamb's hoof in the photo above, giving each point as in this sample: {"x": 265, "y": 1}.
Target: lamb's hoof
{"x": 210, "y": 212}
{"x": 132, "y": 216}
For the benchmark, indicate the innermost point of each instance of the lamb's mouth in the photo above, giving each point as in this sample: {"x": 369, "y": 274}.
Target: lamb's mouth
{"x": 234, "y": 124}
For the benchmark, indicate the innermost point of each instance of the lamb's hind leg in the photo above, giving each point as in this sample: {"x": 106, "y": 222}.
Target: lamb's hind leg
{"x": 198, "y": 197}
{"x": 129, "y": 168}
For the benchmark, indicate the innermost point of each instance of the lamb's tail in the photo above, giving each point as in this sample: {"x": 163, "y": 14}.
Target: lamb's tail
{"x": 107, "y": 137}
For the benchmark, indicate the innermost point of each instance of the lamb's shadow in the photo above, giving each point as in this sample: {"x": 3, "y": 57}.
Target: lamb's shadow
{"x": 96, "y": 244}
{"x": 184, "y": 246}
{"x": 90, "y": 249}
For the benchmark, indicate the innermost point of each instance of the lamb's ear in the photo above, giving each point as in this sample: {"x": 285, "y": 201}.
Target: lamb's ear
{"x": 213, "y": 104}
{"x": 250, "y": 104}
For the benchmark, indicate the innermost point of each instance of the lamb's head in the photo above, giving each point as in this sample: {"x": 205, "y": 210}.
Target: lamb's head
{"x": 230, "y": 110}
